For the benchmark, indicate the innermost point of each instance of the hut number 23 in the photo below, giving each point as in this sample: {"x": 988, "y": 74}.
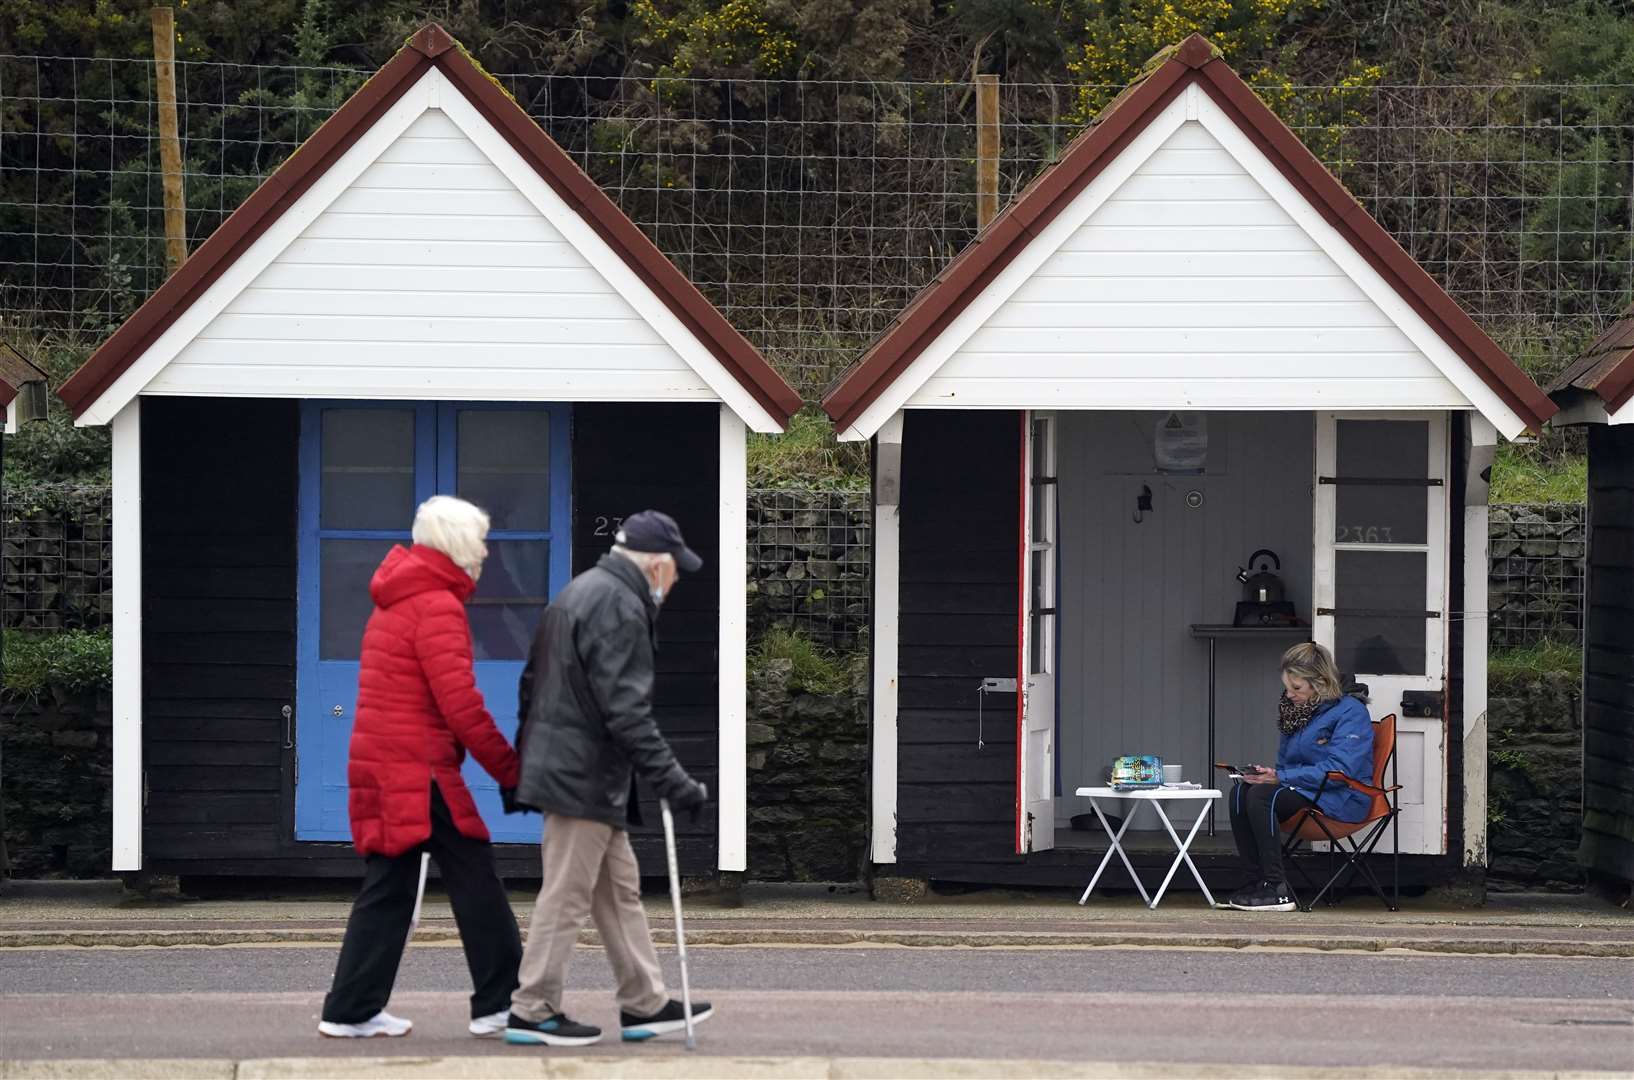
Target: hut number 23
{"x": 1364, "y": 534}
{"x": 607, "y": 526}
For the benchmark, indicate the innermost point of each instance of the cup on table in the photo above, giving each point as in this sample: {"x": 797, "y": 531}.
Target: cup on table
{"x": 1172, "y": 774}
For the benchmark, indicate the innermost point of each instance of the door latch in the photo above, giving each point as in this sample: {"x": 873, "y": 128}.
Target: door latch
{"x": 1421, "y": 703}
{"x": 289, "y": 728}
{"x": 338, "y": 711}
{"x": 989, "y": 685}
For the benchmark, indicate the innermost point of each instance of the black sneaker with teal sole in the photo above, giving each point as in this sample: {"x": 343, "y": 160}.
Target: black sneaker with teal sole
{"x": 555, "y": 1030}
{"x": 670, "y": 1018}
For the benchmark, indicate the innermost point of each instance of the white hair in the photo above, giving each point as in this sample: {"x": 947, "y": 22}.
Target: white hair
{"x": 454, "y": 527}
{"x": 646, "y": 560}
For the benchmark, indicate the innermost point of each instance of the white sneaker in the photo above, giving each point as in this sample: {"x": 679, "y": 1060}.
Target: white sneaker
{"x": 492, "y": 1024}
{"x": 381, "y": 1023}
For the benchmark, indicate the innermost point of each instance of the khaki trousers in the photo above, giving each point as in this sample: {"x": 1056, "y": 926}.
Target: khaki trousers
{"x": 588, "y": 868}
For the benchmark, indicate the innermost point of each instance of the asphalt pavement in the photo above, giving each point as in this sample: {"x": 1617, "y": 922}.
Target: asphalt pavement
{"x": 1272, "y": 1007}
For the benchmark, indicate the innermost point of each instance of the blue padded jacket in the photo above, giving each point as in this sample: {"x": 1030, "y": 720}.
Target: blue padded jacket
{"x": 1339, "y": 738}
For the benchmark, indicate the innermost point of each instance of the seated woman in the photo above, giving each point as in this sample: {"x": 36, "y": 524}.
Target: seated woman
{"x": 1323, "y": 731}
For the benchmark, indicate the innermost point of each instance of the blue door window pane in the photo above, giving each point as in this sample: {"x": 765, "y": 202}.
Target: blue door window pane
{"x": 344, "y": 570}
{"x": 504, "y": 466}
{"x": 513, "y": 590}
{"x": 368, "y": 469}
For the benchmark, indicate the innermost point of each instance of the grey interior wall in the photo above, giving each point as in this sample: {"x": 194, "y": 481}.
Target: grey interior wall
{"x": 1132, "y": 678}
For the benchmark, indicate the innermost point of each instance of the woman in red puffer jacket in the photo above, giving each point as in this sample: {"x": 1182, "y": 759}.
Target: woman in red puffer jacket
{"x": 418, "y": 712}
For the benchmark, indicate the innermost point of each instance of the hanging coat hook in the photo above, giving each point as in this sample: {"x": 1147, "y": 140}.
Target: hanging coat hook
{"x": 1143, "y": 504}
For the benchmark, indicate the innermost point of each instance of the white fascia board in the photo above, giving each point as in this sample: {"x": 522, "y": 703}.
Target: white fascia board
{"x": 11, "y": 415}
{"x": 1624, "y": 415}
{"x": 1480, "y": 396}
{"x": 732, "y": 839}
{"x": 1021, "y": 269}
{"x": 600, "y": 256}
{"x": 127, "y": 795}
{"x": 267, "y": 247}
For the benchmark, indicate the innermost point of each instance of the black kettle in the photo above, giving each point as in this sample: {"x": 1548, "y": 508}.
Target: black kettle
{"x": 1260, "y": 585}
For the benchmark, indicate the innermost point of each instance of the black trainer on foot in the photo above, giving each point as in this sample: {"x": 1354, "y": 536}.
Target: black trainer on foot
{"x": 670, "y": 1018}
{"x": 555, "y": 1030}
{"x": 1266, "y": 896}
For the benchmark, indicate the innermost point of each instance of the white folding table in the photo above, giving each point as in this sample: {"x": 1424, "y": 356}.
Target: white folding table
{"x": 1157, "y": 797}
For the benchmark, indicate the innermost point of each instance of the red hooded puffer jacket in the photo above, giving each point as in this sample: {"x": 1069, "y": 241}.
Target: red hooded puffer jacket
{"x": 418, "y": 707}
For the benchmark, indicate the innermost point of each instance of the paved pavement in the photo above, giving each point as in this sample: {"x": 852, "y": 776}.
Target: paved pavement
{"x": 47, "y": 913}
{"x": 1269, "y": 1008}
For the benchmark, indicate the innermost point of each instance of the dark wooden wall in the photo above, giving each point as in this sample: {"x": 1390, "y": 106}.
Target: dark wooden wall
{"x": 960, "y": 538}
{"x": 219, "y": 555}
{"x": 1608, "y": 670}
{"x": 664, "y": 457}
{"x": 218, "y": 539}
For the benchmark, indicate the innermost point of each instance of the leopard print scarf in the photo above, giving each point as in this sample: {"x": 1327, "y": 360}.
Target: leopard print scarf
{"x": 1291, "y": 718}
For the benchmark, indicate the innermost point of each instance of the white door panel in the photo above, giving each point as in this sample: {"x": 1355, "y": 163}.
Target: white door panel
{"x": 1035, "y": 742}
{"x": 1381, "y": 586}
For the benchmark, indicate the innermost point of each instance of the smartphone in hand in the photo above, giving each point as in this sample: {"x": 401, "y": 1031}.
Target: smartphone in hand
{"x": 1236, "y": 772}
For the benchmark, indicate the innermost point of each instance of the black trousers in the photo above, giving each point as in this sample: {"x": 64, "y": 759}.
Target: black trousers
{"x": 377, "y": 931}
{"x": 1256, "y": 811}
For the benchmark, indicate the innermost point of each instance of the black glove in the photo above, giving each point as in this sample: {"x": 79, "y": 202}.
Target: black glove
{"x": 507, "y": 799}
{"x": 691, "y": 799}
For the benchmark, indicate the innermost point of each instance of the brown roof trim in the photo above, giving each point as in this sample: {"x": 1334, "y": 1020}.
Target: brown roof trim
{"x": 8, "y": 393}
{"x": 1605, "y": 367}
{"x": 431, "y": 46}
{"x": 1194, "y": 60}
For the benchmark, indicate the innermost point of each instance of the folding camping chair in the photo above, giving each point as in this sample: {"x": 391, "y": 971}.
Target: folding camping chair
{"x": 1311, "y": 825}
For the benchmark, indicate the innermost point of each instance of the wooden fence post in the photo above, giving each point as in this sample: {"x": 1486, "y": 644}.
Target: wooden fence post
{"x": 170, "y": 146}
{"x": 987, "y": 149}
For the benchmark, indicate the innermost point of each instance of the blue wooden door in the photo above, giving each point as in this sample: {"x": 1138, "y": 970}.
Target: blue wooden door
{"x": 364, "y": 467}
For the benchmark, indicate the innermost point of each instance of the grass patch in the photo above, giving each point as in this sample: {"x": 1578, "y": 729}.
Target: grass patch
{"x": 70, "y": 660}
{"x": 1537, "y": 474}
{"x": 808, "y": 456}
{"x": 1514, "y": 666}
{"x": 813, "y": 669}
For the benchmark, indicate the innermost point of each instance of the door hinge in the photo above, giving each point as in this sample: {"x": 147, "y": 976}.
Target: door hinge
{"x": 144, "y": 789}
{"x": 1027, "y": 834}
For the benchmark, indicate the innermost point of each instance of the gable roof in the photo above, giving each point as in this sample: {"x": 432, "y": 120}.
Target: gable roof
{"x": 431, "y": 48}
{"x": 1193, "y": 62}
{"x": 1605, "y": 368}
{"x": 16, "y": 371}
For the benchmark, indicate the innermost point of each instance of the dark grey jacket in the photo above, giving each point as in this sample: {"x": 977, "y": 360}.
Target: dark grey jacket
{"x": 586, "y": 702}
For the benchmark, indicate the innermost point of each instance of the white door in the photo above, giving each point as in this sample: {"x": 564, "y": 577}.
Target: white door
{"x": 1035, "y": 803}
{"x": 1381, "y": 587}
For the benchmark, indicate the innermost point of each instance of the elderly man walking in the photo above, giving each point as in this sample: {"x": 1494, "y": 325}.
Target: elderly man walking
{"x": 588, "y": 729}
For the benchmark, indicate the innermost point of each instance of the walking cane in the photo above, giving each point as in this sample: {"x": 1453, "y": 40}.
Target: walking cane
{"x": 680, "y": 931}
{"x": 420, "y": 894}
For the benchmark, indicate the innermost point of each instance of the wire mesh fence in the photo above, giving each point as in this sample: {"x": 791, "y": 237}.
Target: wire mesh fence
{"x": 56, "y": 557}
{"x": 811, "y": 212}
{"x": 1535, "y": 585}
{"x": 809, "y": 558}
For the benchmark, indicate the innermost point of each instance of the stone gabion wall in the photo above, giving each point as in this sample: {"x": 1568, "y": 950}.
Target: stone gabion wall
{"x": 56, "y": 788}
{"x": 1535, "y": 584}
{"x": 1535, "y": 784}
{"x": 56, "y": 557}
{"x": 808, "y": 779}
{"x": 809, "y": 559}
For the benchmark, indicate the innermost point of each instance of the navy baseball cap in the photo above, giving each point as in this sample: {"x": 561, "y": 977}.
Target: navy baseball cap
{"x": 656, "y": 532}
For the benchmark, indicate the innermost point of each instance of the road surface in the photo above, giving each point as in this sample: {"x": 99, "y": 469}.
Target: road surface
{"x": 1231, "y": 1007}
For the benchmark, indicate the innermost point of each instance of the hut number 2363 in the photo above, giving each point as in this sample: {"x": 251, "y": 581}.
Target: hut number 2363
{"x": 1364, "y": 534}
